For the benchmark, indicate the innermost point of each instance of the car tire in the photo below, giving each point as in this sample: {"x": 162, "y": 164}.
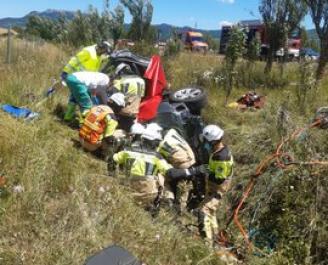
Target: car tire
{"x": 194, "y": 97}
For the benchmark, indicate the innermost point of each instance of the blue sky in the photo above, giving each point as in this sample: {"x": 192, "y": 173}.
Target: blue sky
{"x": 205, "y": 14}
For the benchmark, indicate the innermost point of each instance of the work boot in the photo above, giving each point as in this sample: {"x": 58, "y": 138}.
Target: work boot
{"x": 70, "y": 112}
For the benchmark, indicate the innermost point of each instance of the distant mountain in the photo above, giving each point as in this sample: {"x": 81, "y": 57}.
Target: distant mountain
{"x": 164, "y": 30}
{"x": 49, "y": 13}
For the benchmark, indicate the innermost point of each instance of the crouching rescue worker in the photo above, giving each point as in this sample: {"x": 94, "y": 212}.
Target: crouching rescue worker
{"x": 179, "y": 154}
{"x": 144, "y": 168}
{"x": 133, "y": 87}
{"x": 87, "y": 89}
{"x": 100, "y": 124}
{"x": 217, "y": 174}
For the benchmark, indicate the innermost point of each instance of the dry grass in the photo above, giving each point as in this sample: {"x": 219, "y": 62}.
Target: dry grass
{"x": 69, "y": 207}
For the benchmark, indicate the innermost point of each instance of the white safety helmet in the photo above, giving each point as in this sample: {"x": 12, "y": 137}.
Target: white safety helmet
{"x": 137, "y": 129}
{"x": 122, "y": 67}
{"x": 119, "y": 99}
{"x": 151, "y": 135}
{"x": 108, "y": 47}
{"x": 154, "y": 127}
{"x": 213, "y": 133}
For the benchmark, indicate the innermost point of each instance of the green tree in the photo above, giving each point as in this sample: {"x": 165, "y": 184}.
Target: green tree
{"x": 142, "y": 13}
{"x": 281, "y": 18}
{"x": 235, "y": 50}
{"x": 319, "y": 13}
{"x": 41, "y": 27}
{"x": 117, "y": 23}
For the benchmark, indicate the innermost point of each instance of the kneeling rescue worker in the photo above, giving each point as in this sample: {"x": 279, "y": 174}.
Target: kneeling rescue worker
{"x": 144, "y": 168}
{"x": 100, "y": 123}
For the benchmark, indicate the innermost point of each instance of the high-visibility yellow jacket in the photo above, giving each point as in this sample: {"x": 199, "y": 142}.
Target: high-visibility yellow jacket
{"x": 130, "y": 85}
{"x": 98, "y": 124}
{"x": 139, "y": 163}
{"x": 85, "y": 60}
{"x": 220, "y": 165}
{"x": 176, "y": 150}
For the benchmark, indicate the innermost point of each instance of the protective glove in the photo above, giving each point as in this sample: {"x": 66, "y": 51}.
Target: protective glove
{"x": 199, "y": 170}
{"x": 175, "y": 174}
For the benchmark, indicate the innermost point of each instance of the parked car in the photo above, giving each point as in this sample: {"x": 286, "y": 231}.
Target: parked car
{"x": 309, "y": 54}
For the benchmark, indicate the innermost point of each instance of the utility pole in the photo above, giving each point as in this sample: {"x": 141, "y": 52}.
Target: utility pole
{"x": 8, "y": 57}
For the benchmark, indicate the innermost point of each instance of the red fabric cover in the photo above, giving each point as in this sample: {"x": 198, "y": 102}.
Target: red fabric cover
{"x": 155, "y": 83}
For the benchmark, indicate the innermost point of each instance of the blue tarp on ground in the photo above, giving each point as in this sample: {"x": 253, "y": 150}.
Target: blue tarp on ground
{"x": 17, "y": 112}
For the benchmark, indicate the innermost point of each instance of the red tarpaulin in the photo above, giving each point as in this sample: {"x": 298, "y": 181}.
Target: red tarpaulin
{"x": 155, "y": 83}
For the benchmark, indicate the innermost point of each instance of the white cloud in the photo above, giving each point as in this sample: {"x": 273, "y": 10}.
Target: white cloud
{"x": 225, "y": 23}
{"x": 227, "y": 1}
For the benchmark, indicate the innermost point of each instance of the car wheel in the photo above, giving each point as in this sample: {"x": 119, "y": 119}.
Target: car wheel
{"x": 194, "y": 97}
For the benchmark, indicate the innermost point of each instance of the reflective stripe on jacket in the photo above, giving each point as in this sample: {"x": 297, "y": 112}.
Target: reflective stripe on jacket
{"x": 139, "y": 164}
{"x": 176, "y": 150}
{"x": 98, "y": 124}
{"x": 130, "y": 85}
{"x": 221, "y": 165}
{"x": 85, "y": 60}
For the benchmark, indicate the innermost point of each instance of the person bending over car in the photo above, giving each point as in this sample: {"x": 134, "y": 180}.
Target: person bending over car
{"x": 87, "y": 89}
{"x": 133, "y": 87}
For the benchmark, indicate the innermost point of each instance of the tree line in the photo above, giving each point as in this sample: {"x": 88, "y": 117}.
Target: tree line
{"x": 92, "y": 26}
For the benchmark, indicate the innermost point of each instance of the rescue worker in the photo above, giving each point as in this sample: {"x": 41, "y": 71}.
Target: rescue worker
{"x": 88, "y": 59}
{"x": 179, "y": 154}
{"x": 220, "y": 171}
{"x": 133, "y": 87}
{"x": 137, "y": 129}
{"x": 144, "y": 168}
{"x": 218, "y": 174}
{"x": 87, "y": 89}
{"x": 100, "y": 124}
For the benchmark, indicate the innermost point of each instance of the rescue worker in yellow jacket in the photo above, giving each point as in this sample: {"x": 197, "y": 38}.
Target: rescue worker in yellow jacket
{"x": 179, "y": 154}
{"x": 133, "y": 87}
{"x": 220, "y": 171}
{"x": 218, "y": 174}
{"x": 144, "y": 168}
{"x": 88, "y": 59}
{"x": 100, "y": 123}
